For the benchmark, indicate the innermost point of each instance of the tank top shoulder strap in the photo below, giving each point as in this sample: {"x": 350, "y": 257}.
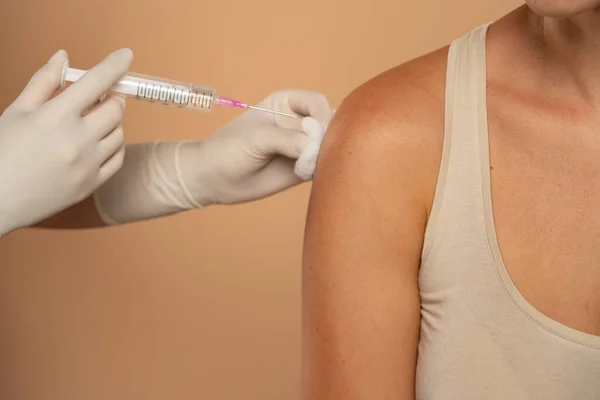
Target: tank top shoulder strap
{"x": 465, "y": 133}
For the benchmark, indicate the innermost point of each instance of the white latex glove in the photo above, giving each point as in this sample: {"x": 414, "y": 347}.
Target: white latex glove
{"x": 253, "y": 156}
{"x": 250, "y": 158}
{"x": 51, "y": 156}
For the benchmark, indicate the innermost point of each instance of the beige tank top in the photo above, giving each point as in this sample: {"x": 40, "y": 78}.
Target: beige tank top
{"x": 480, "y": 339}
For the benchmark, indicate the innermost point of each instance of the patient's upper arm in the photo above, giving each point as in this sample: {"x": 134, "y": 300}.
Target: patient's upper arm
{"x": 371, "y": 194}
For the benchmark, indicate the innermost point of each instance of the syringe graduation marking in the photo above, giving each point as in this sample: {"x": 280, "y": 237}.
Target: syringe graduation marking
{"x": 176, "y": 95}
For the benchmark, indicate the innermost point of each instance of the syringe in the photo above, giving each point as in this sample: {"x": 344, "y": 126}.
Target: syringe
{"x": 168, "y": 92}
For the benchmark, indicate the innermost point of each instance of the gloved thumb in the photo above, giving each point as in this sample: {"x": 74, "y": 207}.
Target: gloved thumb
{"x": 43, "y": 84}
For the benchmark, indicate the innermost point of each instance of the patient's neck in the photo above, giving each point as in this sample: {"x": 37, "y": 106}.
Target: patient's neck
{"x": 569, "y": 48}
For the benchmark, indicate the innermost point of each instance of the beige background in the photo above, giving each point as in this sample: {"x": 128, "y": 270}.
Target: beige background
{"x": 203, "y": 305}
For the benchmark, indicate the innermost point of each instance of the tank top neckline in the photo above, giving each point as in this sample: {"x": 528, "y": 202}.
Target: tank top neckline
{"x": 532, "y": 313}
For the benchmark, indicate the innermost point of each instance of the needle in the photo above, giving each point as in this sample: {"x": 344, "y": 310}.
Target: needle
{"x": 273, "y": 111}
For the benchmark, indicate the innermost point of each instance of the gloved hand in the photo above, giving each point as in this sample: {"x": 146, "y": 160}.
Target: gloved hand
{"x": 51, "y": 156}
{"x": 253, "y": 156}
{"x": 250, "y": 158}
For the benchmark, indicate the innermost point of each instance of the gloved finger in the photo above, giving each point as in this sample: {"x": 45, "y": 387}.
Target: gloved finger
{"x": 91, "y": 86}
{"x": 278, "y": 175}
{"x": 43, "y": 84}
{"x": 309, "y": 104}
{"x": 111, "y": 166}
{"x": 106, "y": 116}
{"x": 93, "y": 106}
{"x": 286, "y": 142}
{"x": 301, "y": 102}
{"x": 108, "y": 146}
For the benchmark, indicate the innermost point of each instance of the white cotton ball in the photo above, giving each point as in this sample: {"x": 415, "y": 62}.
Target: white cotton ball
{"x": 307, "y": 162}
{"x": 311, "y": 127}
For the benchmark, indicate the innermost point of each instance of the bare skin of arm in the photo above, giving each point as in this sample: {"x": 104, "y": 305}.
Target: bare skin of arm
{"x": 371, "y": 197}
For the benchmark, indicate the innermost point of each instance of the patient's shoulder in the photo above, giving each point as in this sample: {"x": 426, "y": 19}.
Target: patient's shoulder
{"x": 403, "y": 106}
{"x": 392, "y": 123}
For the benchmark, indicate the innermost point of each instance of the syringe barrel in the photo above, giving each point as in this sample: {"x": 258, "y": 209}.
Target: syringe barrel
{"x": 157, "y": 90}
{"x": 173, "y": 93}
